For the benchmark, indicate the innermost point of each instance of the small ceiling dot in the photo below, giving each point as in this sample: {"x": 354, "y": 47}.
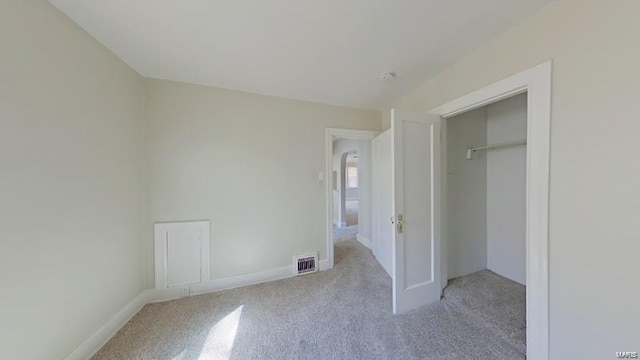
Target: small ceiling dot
{"x": 387, "y": 76}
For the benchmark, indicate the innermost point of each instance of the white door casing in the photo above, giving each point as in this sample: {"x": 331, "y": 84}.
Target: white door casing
{"x": 416, "y": 207}
{"x": 536, "y": 82}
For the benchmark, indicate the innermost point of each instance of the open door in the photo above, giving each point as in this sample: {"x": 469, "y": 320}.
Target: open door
{"x": 416, "y": 209}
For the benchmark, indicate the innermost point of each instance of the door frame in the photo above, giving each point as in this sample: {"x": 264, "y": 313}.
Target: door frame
{"x": 332, "y": 134}
{"x": 536, "y": 82}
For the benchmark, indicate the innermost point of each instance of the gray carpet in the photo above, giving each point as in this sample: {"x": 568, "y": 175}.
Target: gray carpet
{"x": 351, "y": 208}
{"x": 351, "y": 230}
{"x": 345, "y": 233}
{"x": 337, "y": 314}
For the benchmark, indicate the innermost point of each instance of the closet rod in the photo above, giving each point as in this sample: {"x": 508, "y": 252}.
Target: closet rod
{"x": 487, "y": 147}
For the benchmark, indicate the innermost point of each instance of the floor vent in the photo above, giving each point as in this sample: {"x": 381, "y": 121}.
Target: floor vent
{"x": 305, "y": 264}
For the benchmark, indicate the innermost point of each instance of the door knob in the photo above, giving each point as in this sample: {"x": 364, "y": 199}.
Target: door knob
{"x": 400, "y": 224}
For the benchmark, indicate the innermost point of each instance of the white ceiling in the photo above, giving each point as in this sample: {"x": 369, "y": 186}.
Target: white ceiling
{"x": 327, "y": 51}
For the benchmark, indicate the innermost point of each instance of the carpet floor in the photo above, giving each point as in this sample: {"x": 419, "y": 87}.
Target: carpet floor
{"x": 345, "y": 233}
{"x": 337, "y": 314}
{"x": 351, "y": 208}
{"x": 351, "y": 230}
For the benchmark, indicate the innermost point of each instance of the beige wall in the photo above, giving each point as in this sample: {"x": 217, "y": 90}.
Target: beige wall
{"x": 71, "y": 199}
{"x": 594, "y": 196}
{"x": 249, "y": 163}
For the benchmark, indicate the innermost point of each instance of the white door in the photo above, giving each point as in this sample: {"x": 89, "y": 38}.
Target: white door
{"x": 416, "y": 209}
{"x": 382, "y": 202}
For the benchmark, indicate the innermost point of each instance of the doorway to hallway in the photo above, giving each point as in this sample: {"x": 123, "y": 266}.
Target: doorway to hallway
{"x": 348, "y": 187}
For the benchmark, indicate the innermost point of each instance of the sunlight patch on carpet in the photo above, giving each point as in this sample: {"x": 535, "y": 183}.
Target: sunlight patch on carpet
{"x": 219, "y": 342}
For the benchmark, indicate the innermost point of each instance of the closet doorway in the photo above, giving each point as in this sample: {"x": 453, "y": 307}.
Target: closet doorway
{"x": 536, "y": 84}
{"x": 485, "y": 204}
{"x": 485, "y": 198}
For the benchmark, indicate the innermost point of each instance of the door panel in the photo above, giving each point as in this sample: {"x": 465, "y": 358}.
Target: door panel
{"x": 416, "y": 197}
{"x": 418, "y": 253}
{"x": 184, "y": 255}
{"x": 382, "y": 200}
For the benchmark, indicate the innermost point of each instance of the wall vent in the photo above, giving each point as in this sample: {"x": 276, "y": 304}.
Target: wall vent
{"x": 305, "y": 264}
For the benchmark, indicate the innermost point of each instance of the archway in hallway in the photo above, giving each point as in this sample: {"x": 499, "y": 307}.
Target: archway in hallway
{"x": 351, "y": 193}
{"x": 345, "y": 190}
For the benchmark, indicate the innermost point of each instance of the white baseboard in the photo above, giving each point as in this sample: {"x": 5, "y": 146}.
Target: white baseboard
{"x": 106, "y": 332}
{"x": 91, "y": 346}
{"x": 364, "y": 241}
{"x": 227, "y": 283}
{"x": 324, "y": 265}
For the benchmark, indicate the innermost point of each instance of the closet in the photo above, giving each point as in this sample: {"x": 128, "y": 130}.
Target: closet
{"x": 485, "y": 184}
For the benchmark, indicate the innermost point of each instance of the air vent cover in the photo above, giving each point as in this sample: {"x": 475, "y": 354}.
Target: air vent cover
{"x": 305, "y": 264}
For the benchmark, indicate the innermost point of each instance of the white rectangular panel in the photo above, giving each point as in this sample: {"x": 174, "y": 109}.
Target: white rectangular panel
{"x": 182, "y": 253}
